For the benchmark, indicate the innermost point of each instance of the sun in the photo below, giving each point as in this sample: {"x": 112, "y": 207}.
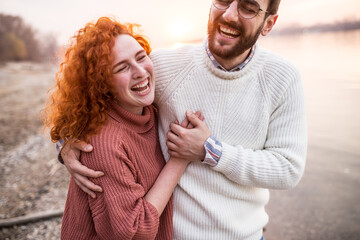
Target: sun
{"x": 179, "y": 28}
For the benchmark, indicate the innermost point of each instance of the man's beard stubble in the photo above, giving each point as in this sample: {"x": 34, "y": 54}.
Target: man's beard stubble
{"x": 243, "y": 44}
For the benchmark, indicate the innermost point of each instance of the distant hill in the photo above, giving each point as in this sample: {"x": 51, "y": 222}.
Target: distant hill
{"x": 330, "y": 27}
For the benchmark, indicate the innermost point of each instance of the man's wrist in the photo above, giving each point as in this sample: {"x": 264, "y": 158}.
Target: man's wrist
{"x": 59, "y": 145}
{"x": 213, "y": 151}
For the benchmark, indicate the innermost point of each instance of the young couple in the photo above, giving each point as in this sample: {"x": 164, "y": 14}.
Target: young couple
{"x": 253, "y": 137}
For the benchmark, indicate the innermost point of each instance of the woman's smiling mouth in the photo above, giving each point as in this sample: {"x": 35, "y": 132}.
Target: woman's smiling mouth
{"x": 142, "y": 87}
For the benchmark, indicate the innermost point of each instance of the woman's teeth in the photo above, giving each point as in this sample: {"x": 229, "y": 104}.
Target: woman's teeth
{"x": 141, "y": 88}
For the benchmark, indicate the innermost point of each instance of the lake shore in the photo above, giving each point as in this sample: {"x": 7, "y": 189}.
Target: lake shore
{"x": 323, "y": 206}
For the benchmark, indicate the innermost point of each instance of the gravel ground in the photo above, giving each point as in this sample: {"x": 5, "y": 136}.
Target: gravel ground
{"x": 31, "y": 178}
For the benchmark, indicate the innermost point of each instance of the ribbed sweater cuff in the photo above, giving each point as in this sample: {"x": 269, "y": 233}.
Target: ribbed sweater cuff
{"x": 154, "y": 212}
{"x": 229, "y": 159}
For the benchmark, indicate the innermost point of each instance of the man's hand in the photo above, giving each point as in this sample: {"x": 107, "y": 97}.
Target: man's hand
{"x": 187, "y": 140}
{"x": 70, "y": 154}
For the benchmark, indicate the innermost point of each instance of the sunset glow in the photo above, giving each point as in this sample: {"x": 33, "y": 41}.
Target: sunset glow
{"x": 164, "y": 22}
{"x": 179, "y": 28}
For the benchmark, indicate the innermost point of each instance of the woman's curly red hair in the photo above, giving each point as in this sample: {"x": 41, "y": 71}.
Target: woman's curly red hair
{"x": 78, "y": 104}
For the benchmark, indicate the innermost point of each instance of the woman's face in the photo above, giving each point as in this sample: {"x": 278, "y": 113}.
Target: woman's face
{"x": 133, "y": 76}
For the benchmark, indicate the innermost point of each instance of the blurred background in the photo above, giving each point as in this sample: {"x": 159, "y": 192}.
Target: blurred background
{"x": 322, "y": 38}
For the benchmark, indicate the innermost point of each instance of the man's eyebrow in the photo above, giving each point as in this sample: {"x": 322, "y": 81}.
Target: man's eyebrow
{"x": 252, "y": 1}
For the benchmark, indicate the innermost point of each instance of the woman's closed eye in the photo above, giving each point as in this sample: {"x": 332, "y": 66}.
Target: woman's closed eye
{"x": 141, "y": 57}
{"x": 121, "y": 68}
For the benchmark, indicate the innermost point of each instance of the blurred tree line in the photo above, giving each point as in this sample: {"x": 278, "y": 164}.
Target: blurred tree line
{"x": 20, "y": 42}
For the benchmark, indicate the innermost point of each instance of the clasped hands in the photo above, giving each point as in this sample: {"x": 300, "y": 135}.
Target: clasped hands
{"x": 184, "y": 141}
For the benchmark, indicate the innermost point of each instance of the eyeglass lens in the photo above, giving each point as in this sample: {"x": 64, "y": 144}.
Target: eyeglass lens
{"x": 247, "y": 9}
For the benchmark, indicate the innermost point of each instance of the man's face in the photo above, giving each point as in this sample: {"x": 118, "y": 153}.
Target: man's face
{"x": 229, "y": 34}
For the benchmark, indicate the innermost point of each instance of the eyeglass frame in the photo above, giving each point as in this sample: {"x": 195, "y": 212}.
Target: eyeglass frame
{"x": 213, "y": 3}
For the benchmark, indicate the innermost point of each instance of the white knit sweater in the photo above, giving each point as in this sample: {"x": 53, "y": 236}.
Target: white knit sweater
{"x": 258, "y": 114}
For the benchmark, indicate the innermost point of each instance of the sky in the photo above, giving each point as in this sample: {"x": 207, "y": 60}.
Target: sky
{"x": 165, "y": 22}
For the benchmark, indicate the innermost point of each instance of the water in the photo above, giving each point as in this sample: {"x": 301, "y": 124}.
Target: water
{"x": 324, "y": 205}
{"x": 329, "y": 65}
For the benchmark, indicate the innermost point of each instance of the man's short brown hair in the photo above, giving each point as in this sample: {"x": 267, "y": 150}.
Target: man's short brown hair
{"x": 273, "y": 6}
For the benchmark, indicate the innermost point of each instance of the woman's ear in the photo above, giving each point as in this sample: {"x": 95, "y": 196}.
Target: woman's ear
{"x": 269, "y": 23}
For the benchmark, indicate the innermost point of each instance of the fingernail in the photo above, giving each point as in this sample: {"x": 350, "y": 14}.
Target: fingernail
{"x": 191, "y": 114}
{"x": 99, "y": 190}
{"x": 101, "y": 174}
{"x": 88, "y": 148}
{"x": 93, "y": 195}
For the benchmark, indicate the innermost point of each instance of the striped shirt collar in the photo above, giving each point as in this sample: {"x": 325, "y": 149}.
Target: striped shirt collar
{"x": 238, "y": 67}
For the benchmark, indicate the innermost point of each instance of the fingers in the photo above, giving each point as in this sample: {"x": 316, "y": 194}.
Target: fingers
{"x": 198, "y": 114}
{"x": 81, "y": 145}
{"x": 173, "y": 141}
{"x": 174, "y": 154}
{"x": 177, "y": 135}
{"x": 175, "y": 129}
{"x": 193, "y": 119}
{"x": 85, "y": 188}
{"x": 71, "y": 150}
{"x": 172, "y": 145}
{"x": 80, "y": 173}
{"x": 185, "y": 123}
{"x": 86, "y": 183}
{"x": 80, "y": 169}
{"x": 190, "y": 126}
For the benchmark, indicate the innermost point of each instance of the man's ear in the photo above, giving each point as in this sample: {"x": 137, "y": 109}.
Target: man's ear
{"x": 269, "y": 23}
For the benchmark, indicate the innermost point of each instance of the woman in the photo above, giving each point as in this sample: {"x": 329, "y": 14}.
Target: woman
{"x": 103, "y": 95}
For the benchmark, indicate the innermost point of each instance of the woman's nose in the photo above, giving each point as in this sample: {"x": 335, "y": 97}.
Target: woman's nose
{"x": 139, "y": 71}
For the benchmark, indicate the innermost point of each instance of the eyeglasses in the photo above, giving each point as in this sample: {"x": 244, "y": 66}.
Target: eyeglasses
{"x": 246, "y": 8}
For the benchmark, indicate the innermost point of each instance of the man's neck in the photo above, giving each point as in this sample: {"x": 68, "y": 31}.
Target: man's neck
{"x": 229, "y": 64}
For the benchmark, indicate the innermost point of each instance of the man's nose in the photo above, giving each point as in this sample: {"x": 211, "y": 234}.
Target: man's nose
{"x": 231, "y": 14}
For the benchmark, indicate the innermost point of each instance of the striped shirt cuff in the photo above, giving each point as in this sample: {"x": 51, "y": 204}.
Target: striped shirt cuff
{"x": 213, "y": 151}
{"x": 59, "y": 144}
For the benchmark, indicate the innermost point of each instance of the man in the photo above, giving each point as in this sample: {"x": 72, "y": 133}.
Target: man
{"x": 253, "y": 105}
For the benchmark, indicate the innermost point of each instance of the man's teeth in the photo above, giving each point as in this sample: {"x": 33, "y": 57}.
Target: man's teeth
{"x": 229, "y": 32}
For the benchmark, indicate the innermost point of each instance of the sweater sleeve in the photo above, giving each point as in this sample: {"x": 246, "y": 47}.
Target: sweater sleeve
{"x": 120, "y": 211}
{"x": 280, "y": 164}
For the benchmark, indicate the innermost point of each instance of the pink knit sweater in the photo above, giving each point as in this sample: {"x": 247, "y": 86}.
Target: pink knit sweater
{"x": 127, "y": 150}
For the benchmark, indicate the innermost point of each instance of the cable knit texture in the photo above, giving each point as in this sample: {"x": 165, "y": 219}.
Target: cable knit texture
{"x": 257, "y": 113}
{"x": 127, "y": 150}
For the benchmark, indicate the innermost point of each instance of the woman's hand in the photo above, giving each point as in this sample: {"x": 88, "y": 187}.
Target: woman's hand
{"x": 70, "y": 154}
{"x": 187, "y": 140}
